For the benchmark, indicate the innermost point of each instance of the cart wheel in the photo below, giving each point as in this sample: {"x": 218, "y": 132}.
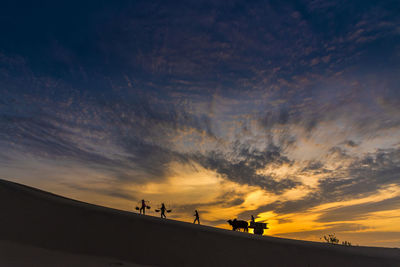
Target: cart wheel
{"x": 258, "y": 231}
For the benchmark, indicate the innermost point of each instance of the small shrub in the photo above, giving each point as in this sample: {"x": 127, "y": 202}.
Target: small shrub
{"x": 346, "y": 243}
{"x": 331, "y": 239}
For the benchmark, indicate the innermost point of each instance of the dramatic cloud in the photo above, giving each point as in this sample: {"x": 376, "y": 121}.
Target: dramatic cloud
{"x": 244, "y": 167}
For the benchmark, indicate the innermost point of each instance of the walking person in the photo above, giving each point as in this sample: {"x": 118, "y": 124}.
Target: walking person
{"x": 163, "y": 209}
{"x": 143, "y": 207}
{"x": 197, "y": 217}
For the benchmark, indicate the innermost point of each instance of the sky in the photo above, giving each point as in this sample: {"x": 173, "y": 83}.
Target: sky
{"x": 285, "y": 110}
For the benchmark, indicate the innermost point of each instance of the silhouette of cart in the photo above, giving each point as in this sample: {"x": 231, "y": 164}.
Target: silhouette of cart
{"x": 258, "y": 227}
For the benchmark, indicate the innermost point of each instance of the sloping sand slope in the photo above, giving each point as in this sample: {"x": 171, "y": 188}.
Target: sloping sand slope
{"x": 20, "y": 255}
{"x": 35, "y": 218}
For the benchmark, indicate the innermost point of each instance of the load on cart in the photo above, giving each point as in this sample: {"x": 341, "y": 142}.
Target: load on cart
{"x": 257, "y": 226}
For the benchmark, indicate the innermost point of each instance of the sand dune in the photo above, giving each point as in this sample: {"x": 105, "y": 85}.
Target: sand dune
{"x": 20, "y": 255}
{"x": 41, "y": 228}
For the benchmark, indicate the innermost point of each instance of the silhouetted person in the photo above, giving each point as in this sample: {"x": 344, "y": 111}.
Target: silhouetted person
{"x": 163, "y": 209}
{"x": 196, "y": 214}
{"x": 252, "y": 218}
{"x": 143, "y": 207}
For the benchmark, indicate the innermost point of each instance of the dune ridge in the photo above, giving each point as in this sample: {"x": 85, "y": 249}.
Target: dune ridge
{"x": 41, "y": 219}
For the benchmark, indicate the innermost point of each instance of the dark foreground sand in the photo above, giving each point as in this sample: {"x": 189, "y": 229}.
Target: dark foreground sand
{"x": 42, "y": 229}
{"x": 19, "y": 255}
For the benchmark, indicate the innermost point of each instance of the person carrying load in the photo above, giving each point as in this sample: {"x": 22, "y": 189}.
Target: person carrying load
{"x": 143, "y": 207}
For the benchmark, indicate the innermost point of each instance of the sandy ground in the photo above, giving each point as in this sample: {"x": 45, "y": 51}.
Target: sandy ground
{"x": 18, "y": 255}
{"x": 67, "y": 229}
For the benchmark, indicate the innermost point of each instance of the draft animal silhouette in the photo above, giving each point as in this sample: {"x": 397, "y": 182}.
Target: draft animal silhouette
{"x": 238, "y": 224}
{"x": 197, "y": 218}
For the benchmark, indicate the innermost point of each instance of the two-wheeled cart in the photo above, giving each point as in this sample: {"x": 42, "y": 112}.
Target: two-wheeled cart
{"x": 258, "y": 227}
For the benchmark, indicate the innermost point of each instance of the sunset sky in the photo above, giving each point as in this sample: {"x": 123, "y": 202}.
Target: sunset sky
{"x": 285, "y": 110}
